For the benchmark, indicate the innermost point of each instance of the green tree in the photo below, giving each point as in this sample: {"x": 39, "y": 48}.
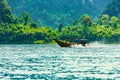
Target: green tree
{"x": 99, "y": 21}
{"x": 27, "y": 19}
{"x": 114, "y": 21}
{"x": 105, "y": 19}
{"x": 86, "y": 22}
{"x": 5, "y": 12}
{"x": 60, "y": 26}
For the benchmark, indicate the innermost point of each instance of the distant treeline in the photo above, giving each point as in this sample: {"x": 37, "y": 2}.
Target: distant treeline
{"x": 24, "y": 30}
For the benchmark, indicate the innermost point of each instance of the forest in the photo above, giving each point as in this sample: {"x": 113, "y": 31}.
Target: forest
{"x": 24, "y": 30}
{"x": 52, "y": 12}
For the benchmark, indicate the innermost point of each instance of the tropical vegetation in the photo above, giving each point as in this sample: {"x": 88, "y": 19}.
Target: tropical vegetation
{"x": 24, "y": 30}
{"x": 52, "y": 12}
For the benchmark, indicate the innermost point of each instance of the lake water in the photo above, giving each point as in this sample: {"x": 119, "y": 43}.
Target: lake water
{"x": 51, "y": 62}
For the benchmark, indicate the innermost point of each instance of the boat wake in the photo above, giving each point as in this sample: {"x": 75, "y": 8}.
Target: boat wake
{"x": 94, "y": 44}
{"x": 98, "y": 44}
{"x": 77, "y": 45}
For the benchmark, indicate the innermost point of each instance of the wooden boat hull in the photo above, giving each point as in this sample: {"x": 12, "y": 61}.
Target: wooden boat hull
{"x": 62, "y": 44}
{"x": 69, "y": 44}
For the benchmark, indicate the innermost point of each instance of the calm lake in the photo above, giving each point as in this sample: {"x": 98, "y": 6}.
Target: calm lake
{"x": 51, "y": 62}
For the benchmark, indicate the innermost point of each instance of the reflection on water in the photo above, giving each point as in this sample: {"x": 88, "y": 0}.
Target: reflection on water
{"x": 50, "y": 62}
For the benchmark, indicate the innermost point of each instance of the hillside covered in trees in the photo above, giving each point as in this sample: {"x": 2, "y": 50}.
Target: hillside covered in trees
{"x": 113, "y": 9}
{"x": 53, "y": 12}
{"x": 24, "y": 29}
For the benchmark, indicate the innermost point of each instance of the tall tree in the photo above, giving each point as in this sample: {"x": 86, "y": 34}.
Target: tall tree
{"x": 114, "y": 21}
{"x": 27, "y": 19}
{"x": 5, "y": 12}
{"x": 86, "y": 22}
{"x": 60, "y": 26}
{"x": 105, "y": 19}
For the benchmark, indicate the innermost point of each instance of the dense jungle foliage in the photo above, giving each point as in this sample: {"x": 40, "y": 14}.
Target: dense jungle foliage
{"x": 53, "y": 12}
{"x": 113, "y": 9}
{"x": 24, "y": 30}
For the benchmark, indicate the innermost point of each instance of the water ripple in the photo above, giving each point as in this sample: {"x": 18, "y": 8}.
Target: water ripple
{"x": 50, "y": 62}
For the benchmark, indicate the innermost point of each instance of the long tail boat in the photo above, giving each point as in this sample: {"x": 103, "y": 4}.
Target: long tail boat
{"x": 69, "y": 44}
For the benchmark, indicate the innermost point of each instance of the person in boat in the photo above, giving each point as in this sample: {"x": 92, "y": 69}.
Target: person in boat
{"x": 83, "y": 42}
